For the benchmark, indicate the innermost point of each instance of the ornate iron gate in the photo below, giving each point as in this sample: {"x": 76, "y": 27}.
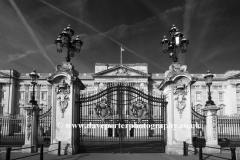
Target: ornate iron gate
{"x": 122, "y": 119}
{"x": 198, "y": 128}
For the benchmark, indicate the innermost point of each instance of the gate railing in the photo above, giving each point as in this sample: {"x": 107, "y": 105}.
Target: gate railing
{"x": 229, "y": 127}
{"x": 12, "y": 129}
{"x": 198, "y": 127}
{"x": 44, "y": 125}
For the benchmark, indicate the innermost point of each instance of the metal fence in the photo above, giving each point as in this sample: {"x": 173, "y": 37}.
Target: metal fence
{"x": 229, "y": 127}
{"x": 12, "y": 129}
{"x": 198, "y": 128}
{"x": 44, "y": 124}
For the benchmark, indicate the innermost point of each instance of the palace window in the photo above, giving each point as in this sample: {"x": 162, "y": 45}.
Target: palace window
{"x": 220, "y": 96}
{"x": 238, "y": 109}
{"x": 4, "y": 96}
{"x": 21, "y": 95}
{"x": 44, "y": 96}
{"x": 198, "y": 96}
{"x": 221, "y": 110}
{"x": 238, "y": 95}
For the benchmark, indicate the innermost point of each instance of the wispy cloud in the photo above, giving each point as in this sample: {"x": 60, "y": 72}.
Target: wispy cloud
{"x": 14, "y": 57}
{"x": 29, "y": 29}
{"x": 120, "y": 31}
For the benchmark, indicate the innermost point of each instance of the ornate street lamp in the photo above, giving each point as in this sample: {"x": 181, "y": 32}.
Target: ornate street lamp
{"x": 208, "y": 79}
{"x": 65, "y": 40}
{"x": 178, "y": 40}
{"x": 34, "y": 80}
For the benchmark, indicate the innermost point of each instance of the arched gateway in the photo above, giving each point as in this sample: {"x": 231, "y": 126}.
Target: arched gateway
{"x": 121, "y": 119}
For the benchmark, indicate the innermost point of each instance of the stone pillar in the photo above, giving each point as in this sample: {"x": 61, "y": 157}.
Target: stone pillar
{"x": 211, "y": 134}
{"x": 31, "y": 131}
{"x": 66, "y": 86}
{"x": 177, "y": 88}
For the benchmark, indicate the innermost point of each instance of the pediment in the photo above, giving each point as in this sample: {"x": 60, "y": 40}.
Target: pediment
{"x": 121, "y": 71}
{"x": 4, "y": 75}
{"x": 236, "y": 76}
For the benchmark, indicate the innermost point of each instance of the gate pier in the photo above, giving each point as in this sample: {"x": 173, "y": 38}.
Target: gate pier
{"x": 177, "y": 89}
{"x": 67, "y": 86}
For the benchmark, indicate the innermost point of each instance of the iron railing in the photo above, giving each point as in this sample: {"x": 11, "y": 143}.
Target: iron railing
{"x": 44, "y": 125}
{"x": 12, "y": 129}
{"x": 198, "y": 128}
{"x": 229, "y": 127}
{"x": 121, "y": 104}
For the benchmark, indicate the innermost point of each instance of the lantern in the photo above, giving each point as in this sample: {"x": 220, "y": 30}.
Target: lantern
{"x": 178, "y": 38}
{"x": 69, "y": 31}
{"x": 58, "y": 42}
{"x": 173, "y": 30}
{"x": 65, "y": 38}
{"x": 78, "y": 44}
{"x": 34, "y": 77}
{"x": 165, "y": 44}
{"x": 71, "y": 50}
{"x": 208, "y": 78}
{"x": 184, "y": 44}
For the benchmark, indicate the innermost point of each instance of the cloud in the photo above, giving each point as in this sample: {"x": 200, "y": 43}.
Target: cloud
{"x": 120, "y": 31}
{"x": 124, "y": 31}
{"x": 33, "y": 36}
{"x": 14, "y": 57}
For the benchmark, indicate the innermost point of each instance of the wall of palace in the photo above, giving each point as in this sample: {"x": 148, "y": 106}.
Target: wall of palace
{"x": 16, "y": 89}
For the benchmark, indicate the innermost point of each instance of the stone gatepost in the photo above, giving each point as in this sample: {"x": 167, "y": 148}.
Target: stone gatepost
{"x": 177, "y": 88}
{"x": 66, "y": 90}
{"x": 31, "y": 129}
{"x": 211, "y": 135}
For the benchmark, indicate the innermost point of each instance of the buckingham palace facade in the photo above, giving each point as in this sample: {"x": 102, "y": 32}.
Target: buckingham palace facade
{"x": 16, "y": 89}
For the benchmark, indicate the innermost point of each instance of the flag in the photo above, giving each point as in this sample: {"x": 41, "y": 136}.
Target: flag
{"x": 122, "y": 49}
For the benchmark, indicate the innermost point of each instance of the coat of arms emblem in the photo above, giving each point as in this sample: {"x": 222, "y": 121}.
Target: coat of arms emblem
{"x": 139, "y": 110}
{"x": 102, "y": 109}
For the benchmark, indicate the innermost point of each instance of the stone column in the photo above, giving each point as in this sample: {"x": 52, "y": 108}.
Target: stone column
{"x": 66, "y": 86}
{"x": 211, "y": 134}
{"x": 31, "y": 131}
{"x": 177, "y": 89}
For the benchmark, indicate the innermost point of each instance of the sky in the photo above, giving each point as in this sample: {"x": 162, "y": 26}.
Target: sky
{"x": 28, "y": 30}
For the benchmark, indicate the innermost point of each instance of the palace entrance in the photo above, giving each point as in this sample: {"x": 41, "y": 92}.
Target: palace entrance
{"x": 122, "y": 119}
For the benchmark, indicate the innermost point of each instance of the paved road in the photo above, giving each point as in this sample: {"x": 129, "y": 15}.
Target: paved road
{"x": 105, "y": 156}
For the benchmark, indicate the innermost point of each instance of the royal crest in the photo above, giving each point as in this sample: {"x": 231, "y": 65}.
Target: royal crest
{"x": 63, "y": 91}
{"x": 139, "y": 110}
{"x": 102, "y": 109}
{"x": 180, "y": 92}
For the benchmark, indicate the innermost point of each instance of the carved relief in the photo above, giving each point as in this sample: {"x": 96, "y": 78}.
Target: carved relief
{"x": 139, "y": 110}
{"x": 29, "y": 123}
{"x": 214, "y": 123}
{"x": 180, "y": 92}
{"x": 103, "y": 109}
{"x": 175, "y": 68}
{"x": 122, "y": 72}
{"x": 63, "y": 91}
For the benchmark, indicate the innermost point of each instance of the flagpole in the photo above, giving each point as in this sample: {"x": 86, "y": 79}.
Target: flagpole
{"x": 121, "y": 55}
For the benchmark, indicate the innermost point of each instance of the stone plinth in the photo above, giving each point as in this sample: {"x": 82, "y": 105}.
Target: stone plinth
{"x": 177, "y": 89}
{"x": 31, "y": 131}
{"x": 211, "y": 135}
{"x": 67, "y": 88}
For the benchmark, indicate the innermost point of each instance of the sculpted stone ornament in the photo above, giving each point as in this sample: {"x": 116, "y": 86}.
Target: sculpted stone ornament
{"x": 63, "y": 91}
{"x": 102, "y": 109}
{"x": 139, "y": 110}
{"x": 174, "y": 69}
{"x": 180, "y": 92}
{"x": 29, "y": 123}
{"x": 122, "y": 72}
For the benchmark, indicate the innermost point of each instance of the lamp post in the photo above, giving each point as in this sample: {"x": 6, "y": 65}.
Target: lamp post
{"x": 65, "y": 40}
{"x": 34, "y": 80}
{"x": 178, "y": 40}
{"x": 208, "y": 79}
